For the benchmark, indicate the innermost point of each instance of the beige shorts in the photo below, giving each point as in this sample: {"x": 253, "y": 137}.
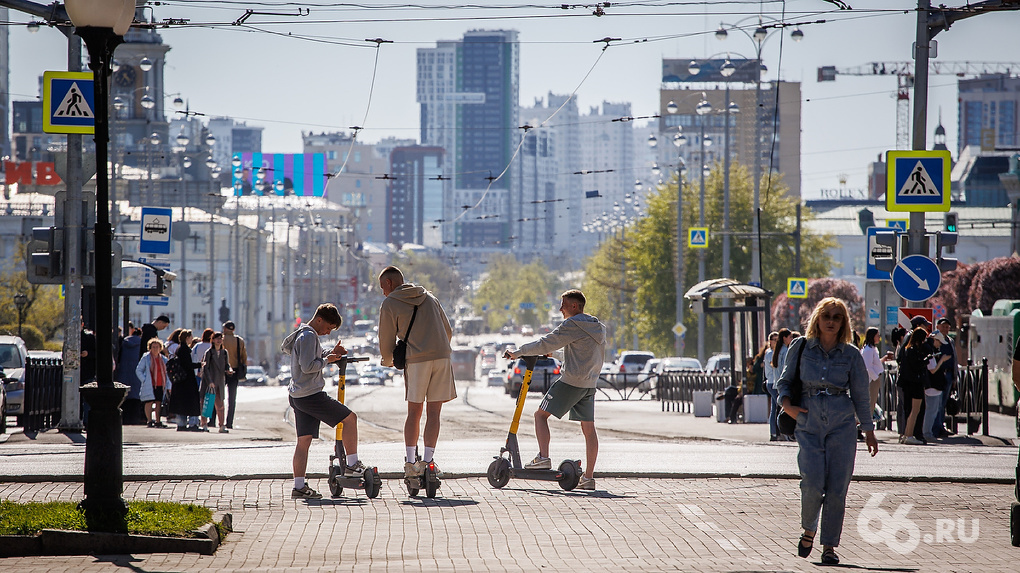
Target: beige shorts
{"x": 430, "y": 381}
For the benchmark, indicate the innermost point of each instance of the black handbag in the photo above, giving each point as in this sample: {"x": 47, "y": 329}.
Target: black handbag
{"x": 787, "y": 423}
{"x": 400, "y": 350}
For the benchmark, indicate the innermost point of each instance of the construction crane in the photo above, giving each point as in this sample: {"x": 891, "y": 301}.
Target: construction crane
{"x": 904, "y": 72}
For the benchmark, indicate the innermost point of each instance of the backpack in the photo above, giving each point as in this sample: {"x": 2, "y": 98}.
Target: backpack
{"x": 175, "y": 371}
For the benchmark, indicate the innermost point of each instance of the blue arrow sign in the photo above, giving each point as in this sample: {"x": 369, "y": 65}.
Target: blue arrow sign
{"x": 916, "y": 278}
{"x": 527, "y": 305}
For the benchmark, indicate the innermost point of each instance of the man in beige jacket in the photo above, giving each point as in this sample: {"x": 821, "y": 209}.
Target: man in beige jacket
{"x": 428, "y": 377}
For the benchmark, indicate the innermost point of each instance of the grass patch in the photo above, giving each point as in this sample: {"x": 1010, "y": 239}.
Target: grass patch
{"x": 161, "y": 518}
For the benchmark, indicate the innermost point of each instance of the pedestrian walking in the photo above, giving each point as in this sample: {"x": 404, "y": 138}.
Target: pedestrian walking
{"x": 185, "y": 401}
{"x": 237, "y": 356}
{"x": 310, "y": 403}
{"x": 127, "y": 361}
{"x": 583, "y": 340}
{"x": 873, "y": 362}
{"x": 778, "y": 362}
{"x": 948, "y": 371}
{"x": 834, "y": 386}
{"x": 151, "y": 371}
{"x": 214, "y": 377}
{"x": 771, "y": 376}
{"x": 414, "y": 315}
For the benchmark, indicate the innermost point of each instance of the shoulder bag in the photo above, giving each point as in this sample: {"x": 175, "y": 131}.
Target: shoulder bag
{"x": 787, "y": 423}
{"x": 400, "y": 350}
{"x": 242, "y": 367}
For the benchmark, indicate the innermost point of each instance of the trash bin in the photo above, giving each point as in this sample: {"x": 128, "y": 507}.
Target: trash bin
{"x": 756, "y": 409}
{"x": 720, "y": 407}
{"x": 702, "y": 404}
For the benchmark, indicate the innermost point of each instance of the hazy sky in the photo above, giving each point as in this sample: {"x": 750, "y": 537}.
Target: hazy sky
{"x": 314, "y": 72}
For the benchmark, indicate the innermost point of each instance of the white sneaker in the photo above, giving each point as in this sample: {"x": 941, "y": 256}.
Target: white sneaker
{"x": 539, "y": 463}
{"x": 912, "y": 441}
{"x": 411, "y": 470}
{"x": 586, "y": 483}
{"x": 357, "y": 470}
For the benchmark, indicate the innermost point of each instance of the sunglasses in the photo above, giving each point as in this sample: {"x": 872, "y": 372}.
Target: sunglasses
{"x": 833, "y": 317}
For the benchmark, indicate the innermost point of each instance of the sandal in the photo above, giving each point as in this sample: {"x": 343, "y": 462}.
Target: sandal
{"x": 829, "y": 557}
{"x": 805, "y": 550}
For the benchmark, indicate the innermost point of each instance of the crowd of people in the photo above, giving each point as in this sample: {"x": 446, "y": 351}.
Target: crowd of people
{"x": 189, "y": 382}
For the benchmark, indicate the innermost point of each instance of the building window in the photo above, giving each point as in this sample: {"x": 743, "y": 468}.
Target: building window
{"x": 198, "y": 322}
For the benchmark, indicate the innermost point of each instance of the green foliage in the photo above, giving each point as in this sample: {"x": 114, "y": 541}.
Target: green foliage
{"x": 436, "y": 275}
{"x": 30, "y": 334}
{"x": 508, "y": 282}
{"x": 794, "y": 313}
{"x": 45, "y": 309}
{"x": 644, "y": 301}
{"x": 144, "y": 517}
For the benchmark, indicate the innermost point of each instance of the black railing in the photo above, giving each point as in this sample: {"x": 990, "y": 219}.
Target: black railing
{"x": 627, "y": 385}
{"x": 675, "y": 390}
{"x": 44, "y": 385}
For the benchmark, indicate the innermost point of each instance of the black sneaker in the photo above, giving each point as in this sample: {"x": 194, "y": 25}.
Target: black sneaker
{"x": 305, "y": 493}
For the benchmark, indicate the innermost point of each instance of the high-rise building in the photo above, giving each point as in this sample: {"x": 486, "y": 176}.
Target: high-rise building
{"x": 415, "y": 197}
{"x": 988, "y": 107}
{"x": 607, "y": 160}
{"x": 468, "y": 92}
{"x": 778, "y": 119}
{"x": 233, "y": 137}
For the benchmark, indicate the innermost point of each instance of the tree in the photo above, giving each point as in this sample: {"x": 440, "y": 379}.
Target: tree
{"x": 45, "y": 309}
{"x": 507, "y": 284}
{"x": 644, "y": 301}
{"x": 997, "y": 279}
{"x": 795, "y": 313}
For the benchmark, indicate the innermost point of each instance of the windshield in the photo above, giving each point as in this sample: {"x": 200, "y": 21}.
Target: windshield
{"x": 10, "y": 357}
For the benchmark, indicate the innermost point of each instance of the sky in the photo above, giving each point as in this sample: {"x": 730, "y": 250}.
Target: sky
{"x": 314, "y": 72}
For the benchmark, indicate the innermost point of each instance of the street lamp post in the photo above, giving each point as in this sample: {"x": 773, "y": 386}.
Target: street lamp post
{"x": 20, "y": 302}
{"x": 102, "y": 24}
{"x": 702, "y": 109}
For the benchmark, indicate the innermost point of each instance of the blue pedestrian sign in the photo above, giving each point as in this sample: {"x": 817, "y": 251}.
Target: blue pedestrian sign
{"x": 155, "y": 230}
{"x": 697, "y": 238}
{"x": 69, "y": 102}
{"x": 916, "y": 278}
{"x": 876, "y": 250}
{"x": 917, "y": 181}
{"x": 796, "y": 288}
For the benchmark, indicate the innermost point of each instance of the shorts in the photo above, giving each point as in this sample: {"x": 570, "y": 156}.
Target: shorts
{"x": 563, "y": 398}
{"x": 157, "y": 394}
{"x": 429, "y": 381}
{"x": 310, "y": 410}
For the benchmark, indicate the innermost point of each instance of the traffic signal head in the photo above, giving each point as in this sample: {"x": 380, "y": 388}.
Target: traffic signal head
{"x": 865, "y": 218}
{"x": 945, "y": 241}
{"x": 45, "y": 261}
{"x": 886, "y": 263}
{"x": 951, "y": 219}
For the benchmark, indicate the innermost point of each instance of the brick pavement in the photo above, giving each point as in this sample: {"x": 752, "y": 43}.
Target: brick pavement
{"x": 632, "y": 524}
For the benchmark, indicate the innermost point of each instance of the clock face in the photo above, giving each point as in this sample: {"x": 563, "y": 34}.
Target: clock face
{"x": 125, "y": 77}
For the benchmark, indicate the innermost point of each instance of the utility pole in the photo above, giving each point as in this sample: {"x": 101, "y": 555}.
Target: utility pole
{"x": 916, "y": 234}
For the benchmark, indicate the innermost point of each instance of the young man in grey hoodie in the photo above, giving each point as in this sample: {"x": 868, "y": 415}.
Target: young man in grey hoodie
{"x": 583, "y": 340}
{"x": 308, "y": 400}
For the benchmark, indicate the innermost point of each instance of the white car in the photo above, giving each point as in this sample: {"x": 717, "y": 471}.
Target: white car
{"x": 675, "y": 363}
{"x": 718, "y": 364}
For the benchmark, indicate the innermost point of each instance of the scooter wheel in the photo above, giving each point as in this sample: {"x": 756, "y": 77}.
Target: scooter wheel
{"x": 335, "y": 489}
{"x": 499, "y": 473}
{"x": 571, "y": 475}
{"x": 372, "y": 483}
{"x": 1014, "y": 524}
{"x": 411, "y": 491}
{"x": 431, "y": 483}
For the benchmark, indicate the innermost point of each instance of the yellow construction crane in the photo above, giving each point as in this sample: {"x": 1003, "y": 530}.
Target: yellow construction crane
{"x": 904, "y": 72}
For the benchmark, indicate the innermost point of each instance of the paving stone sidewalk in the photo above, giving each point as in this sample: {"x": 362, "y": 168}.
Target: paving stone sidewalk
{"x": 629, "y": 524}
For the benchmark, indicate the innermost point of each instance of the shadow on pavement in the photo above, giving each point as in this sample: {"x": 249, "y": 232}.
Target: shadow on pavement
{"x": 574, "y": 493}
{"x": 438, "y": 502}
{"x": 336, "y": 501}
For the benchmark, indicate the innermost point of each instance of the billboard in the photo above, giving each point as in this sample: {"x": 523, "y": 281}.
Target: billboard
{"x": 302, "y": 174}
{"x": 675, "y": 71}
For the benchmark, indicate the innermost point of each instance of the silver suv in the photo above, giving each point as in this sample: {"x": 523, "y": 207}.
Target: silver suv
{"x": 13, "y": 359}
{"x": 547, "y": 370}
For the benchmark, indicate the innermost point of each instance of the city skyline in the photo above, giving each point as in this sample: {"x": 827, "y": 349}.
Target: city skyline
{"x": 288, "y": 86}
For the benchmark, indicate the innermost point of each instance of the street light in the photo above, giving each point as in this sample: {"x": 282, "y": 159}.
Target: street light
{"x": 20, "y": 302}
{"x": 102, "y": 25}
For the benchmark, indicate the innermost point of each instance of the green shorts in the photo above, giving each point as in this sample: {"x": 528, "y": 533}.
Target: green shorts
{"x": 562, "y": 398}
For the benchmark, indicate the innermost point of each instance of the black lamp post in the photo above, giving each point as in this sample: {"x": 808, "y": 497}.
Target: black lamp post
{"x": 102, "y": 25}
{"x": 20, "y": 302}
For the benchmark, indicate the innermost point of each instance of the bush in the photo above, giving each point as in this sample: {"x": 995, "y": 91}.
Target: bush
{"x": 32, "y": 336}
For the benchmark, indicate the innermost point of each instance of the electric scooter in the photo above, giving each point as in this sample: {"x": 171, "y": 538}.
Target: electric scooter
{"x": 505, "y": 467}
{"x": 427, "y": 480}
{"x": 370, "y": 480}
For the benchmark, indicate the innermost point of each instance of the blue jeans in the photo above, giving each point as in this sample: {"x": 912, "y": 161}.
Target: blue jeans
{"x": 774, "y": 410}
{"x": 827, "y": 435}
{"x": 931, "y": 411}
{"x": 939, "y": 426}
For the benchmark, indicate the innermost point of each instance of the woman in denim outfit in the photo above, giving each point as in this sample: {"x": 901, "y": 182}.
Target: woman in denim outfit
{"x": 835, "y": 387}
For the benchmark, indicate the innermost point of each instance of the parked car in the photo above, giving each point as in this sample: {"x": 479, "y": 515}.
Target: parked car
{"x": 13, "y": 359}
{"x": 527, "y": 330}
{"x": 718, "y": 363}
{"x": 675, "y": 363}
{"x": 374, "y": 374}
{"x": 3, "y": 408}
{"x": 632, "y": 361}
{"x": 283, "y": 377}
{"x": 494, "y": 377}
{"x": 256, "y": 376}
{"x": 545, "y": 373}
{"x": 352, "y": 377}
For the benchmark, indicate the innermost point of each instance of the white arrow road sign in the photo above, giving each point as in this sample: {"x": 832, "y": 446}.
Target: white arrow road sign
{"x": 921, "y": 283}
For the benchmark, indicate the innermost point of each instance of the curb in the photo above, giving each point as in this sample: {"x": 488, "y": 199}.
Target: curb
{"x": 61, "y": 542}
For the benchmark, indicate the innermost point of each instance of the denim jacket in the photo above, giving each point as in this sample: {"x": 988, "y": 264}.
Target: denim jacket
{"x": 842, "y": 368}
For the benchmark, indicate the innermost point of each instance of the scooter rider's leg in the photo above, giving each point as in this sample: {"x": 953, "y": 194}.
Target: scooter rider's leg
{"x": 411, "y": 428}
{"x": 432, "y": 423}
{"x": 542, "y": 432}
{"x": 591, "y": 443}
{"x": 301, "y": 456}
{"x": 349, "y": 435}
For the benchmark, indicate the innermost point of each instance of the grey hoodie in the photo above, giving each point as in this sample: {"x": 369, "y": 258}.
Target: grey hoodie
{"x": 583, "y": 340}
{"x": 307, "y": 359}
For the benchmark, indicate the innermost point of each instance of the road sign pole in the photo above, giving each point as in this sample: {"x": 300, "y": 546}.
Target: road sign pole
{"x": 916, "y": 233}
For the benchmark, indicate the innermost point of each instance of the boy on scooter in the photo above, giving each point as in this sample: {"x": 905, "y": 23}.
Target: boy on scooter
{"x": 583, "y": 340}
{"x": 308, "y": 400}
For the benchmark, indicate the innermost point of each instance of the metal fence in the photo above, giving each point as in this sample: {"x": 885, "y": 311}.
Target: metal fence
{"x": 675, "y": 390}
{"x": 44, "y": 386}
{"x": 626, "y": 385}
{"x": 971, "y": 394}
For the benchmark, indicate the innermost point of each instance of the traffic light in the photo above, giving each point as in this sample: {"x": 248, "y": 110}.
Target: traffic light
{"x": 865, "y": 218}
{"x": 224, "y": 310}
{"x": 945, "y": 241}
{"x": 951, "y": 219}
{"x": 45, "y": 260}
{"x": 886, "y": 263}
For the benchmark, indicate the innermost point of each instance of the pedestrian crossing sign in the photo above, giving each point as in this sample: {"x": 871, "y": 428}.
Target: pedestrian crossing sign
{"x": 697, "y": 238}
{"x": 69, "y": 102}
{"x": 796, "y": 288}
{"x": 917, "y": 181}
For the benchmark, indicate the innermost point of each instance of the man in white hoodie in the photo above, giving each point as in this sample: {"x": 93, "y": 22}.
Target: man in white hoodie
{"x": 583, "y": 340}
{"x": 429, "y": 373}
{"x": 310, "y": 403}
